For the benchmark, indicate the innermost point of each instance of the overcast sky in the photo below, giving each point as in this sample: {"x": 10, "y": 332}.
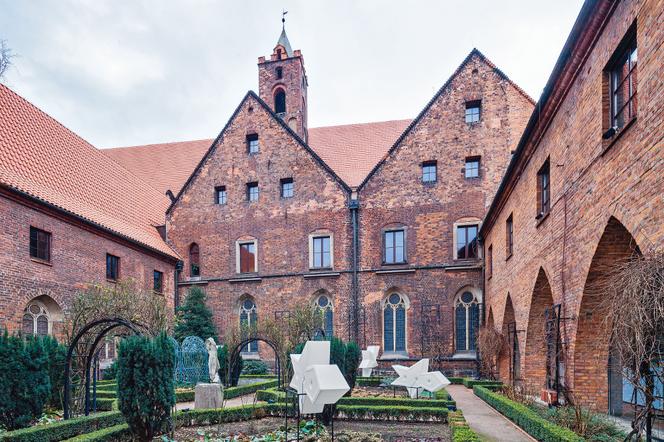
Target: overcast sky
{"x": 128, "y": 72}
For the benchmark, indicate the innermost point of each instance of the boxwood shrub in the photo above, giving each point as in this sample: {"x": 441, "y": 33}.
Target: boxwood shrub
{"x": 64, "y": 429}
{"x": 527, "y": 419}
{"x": 392, "y": 413}
{"x": 110, "y": 434}
{"x": 373, "y": 381}
{"x": 230, "y": 392}
{"x": 491, "y": 385}
{"x": 461, "y": 432}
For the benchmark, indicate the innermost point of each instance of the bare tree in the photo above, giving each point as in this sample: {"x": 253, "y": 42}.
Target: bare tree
{"x": 6, "y": 56}
{"x": 491, "y": 343}
{"x": 633, "y": 305}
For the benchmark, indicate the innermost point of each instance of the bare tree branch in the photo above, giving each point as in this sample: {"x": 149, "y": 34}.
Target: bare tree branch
{"x": 6, "y": 56}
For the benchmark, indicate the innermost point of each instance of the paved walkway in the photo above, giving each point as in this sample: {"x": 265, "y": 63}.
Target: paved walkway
{"x": 484, "y": 420}
{"x": 241, "y": 400}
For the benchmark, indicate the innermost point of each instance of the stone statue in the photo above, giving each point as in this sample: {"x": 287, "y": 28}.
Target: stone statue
{"x": 213, "y": 362}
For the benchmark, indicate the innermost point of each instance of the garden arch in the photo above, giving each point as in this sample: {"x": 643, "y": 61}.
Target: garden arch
{"x": 101, "y": 327}
{"x": 236, "y": 353}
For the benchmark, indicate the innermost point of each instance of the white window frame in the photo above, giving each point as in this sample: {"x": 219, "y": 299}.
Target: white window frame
{"x": 239, "y": 243}
{"x": 43, "y": 312}
{"x": 469, "y": 222}
{"x": 311, "y": 250}
{"x": 477, "y": 294}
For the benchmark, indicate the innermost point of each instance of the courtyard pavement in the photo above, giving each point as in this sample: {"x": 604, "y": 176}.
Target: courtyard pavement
{"x": 484, "y": 420}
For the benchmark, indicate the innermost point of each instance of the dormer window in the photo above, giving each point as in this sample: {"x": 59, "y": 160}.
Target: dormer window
{"x": 280, "y": 73}
{"x": 280, "y": 102}
{"x": 252, "y": 143}
{"x": 473, "y": 111}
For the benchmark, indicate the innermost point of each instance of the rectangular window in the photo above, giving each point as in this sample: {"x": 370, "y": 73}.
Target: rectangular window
{"x": 287, "y": 187}
{"x": 472, "y": 169}
{"x": 543, "y": 190}
{"x": 322, "y": 252}
{"x": 252, "y": 191}
{"x": 247, "y": 257}
{"x": 473, "y": 111}
{"x": 509, "y": 236}
{"x": 40, "y": 244}
{"x": 112, "y": 267}
{"x": 466, "y": 242}
{"x": 429, "y": 171}
{"x": 622, "y": 72}
{"x": 220, "y": 195}
{"x": 158, "y": 281}
{"x": 394, "y": 246}
{"x": 252, "y": 143}
{"x": 489, "y": 262}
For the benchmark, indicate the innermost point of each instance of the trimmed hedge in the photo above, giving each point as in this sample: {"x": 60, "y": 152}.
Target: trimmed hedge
{"x": 527, "y": 419}
{"x": 110, "y": 434}
{"x": 372, "y": 381}
{"x": 106, "y": 403}
{"x": 461, "y": 432}
{"x": 258, "y": 376}
{"x": 455, "y": 381}
{"x": 230, "y": 392}
{"x": 491, "y": 385}
{"x": 64, "y": 429}
{"x": 392, "y": 413}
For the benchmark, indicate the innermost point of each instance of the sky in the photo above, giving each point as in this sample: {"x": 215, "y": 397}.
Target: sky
{"x": 131, "y": 72}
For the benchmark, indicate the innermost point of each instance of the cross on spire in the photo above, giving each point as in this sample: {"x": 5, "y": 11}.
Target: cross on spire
{"x": 283, "y": 18}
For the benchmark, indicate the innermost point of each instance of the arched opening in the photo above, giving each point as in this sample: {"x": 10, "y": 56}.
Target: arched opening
{"x": 597, "y": 378}
{"x": 280, "y": 101}
{"x": 194, "y": 260}
{"x": 236, "y": 353}
{"x": 510, "y": 358}
{"x": 42, "y": 316}
{"x": 489, "y": 321}
{"x": 323, "y": 304}
{"x": 395, "y": 306}
{"x": 536, "y": 352}
{"x": 466, "y": 320}
{"x": 248, "y": 322}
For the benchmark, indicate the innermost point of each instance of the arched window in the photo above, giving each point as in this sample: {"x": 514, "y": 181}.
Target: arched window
{"x": 194, "y": 260}
{"x": 394, "y": 324}
{"x": 248, "y": 320}
{"x": 323, "y": 304}
{"x": 467, "y": 314}
{"x": 280, "y": 102}
{"x": 36, "y": 319}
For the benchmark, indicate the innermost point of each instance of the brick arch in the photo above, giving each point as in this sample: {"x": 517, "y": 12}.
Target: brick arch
{"x": 535, "y": 348}
{"x": 489, "y": 321}
{"x": 506, "y": 353}
{"x": 591, "y": 344}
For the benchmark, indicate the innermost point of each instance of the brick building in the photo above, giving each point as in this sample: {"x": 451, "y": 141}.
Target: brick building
{"x": 583, "y": 190}
{"x": 375, "y": 224}
{"x": 69, "y": 216}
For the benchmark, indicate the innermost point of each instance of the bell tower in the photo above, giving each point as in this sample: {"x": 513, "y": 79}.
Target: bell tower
{"x": 282, "y": 83}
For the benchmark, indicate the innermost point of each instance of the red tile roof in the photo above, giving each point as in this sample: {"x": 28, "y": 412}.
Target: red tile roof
{"x": 45, "y": 160}
{"x": 350, "y": 150}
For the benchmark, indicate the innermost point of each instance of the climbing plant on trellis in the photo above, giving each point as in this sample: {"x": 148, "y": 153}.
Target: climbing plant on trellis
{"x": 191, "y": 361}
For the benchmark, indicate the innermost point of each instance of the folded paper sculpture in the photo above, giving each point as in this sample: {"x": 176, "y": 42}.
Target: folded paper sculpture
{"x": 369, "y": 360}
{"x": 317, "y": 381}
{"x": 418, "y": 377}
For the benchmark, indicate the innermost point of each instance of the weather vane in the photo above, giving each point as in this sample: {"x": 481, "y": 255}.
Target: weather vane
{"x": 283, "y": 17}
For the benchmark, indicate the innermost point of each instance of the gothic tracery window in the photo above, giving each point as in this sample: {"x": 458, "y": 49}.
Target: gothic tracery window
{"x": 394, "y": 324}
{"x": 323, "y": 304}
{"x": 36, "y": 320}
{"x": 467, "y": 313}
{"x": 248, "y": 320}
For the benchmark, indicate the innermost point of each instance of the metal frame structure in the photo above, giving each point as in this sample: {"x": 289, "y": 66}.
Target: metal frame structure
{"x": 553, "y": 347}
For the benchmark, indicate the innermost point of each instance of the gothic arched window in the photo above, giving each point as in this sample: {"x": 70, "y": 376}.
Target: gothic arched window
{"x": 248, "y": 320}
{"x": 323, "y": 304}
{"x": 36, "y": 319}
{"x": 194, "y": 260}
{"x": 394, "y": 324}
{"x": 280, "y": 102}
{"x": 467, "y": 314}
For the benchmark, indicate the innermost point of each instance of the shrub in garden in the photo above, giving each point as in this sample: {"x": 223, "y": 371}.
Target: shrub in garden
{"x": 25, "y": 386}
{"x": 224, "y": 360}
{"x": 56, "y": 355}
{"x": 146, "y": 392}
{"x": 353, "y": 357}
{"x": 195, "y": 318}
{"x": 255, "y": 367}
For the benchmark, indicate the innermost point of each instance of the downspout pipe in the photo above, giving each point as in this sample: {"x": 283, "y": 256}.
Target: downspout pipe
{"x": 353, "y": 326}
{"x": 176, "y": 276}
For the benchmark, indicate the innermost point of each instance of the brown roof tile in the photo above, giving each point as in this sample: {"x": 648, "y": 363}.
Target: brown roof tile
{"x": 45, "y": 160}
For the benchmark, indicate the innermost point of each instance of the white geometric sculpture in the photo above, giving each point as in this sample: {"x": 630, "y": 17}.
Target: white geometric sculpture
{"x": 369, "y": 362}
{"x": 317, "y": 382}
{"x": 417, "y": 376}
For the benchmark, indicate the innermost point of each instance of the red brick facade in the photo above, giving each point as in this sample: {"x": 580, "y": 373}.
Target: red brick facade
{"x": 606, "y": 201}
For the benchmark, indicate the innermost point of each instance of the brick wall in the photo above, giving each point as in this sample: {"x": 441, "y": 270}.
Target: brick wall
{"x": 594, "y": 185}
{"x": 78, "y": 257}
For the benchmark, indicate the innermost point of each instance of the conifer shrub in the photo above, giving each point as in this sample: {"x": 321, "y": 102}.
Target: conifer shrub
{"x": 353, "y": 357}
{"x": 56, "y": 355}
{"x": 146, "y": 392}
{"x": 194, "y": 317}
{"x": 25, "y": 386}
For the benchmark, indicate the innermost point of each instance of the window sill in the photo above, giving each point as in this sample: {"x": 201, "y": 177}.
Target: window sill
{"x": 393, "y": 271}
{"x": 112, "y": 281}
{"x": 469, "y": 356}
{"x": 541, "y": 219}
{"x": 394, "y": 356}
{"x": 320, "y": 274}
{"x": 463, "y": 264}
{"x": 614, "y": 139}
{"x": 41, "y": 261}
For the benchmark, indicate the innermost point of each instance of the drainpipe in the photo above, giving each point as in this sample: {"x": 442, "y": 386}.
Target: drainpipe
{"x": 353, "y": 326}
{"x": 178, "y": 268}
{"x": 478, "y": 350}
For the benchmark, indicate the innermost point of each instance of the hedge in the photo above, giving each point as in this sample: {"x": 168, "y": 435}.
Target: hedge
{"x": 491, "y": 385}
{"x": 64, "y": 429}
{"x": 461, "y": 432}
{"x": 372, "y": 381}
{"x": 455, "y": 381}
{"x": 258, "y": 376}
{"x": 392, "y": 413}
{"x": 105, "y": 403}
{"x": 527, "y": 419}
{"x": 230, "y": 392}
{"x": 110, "y": 434}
